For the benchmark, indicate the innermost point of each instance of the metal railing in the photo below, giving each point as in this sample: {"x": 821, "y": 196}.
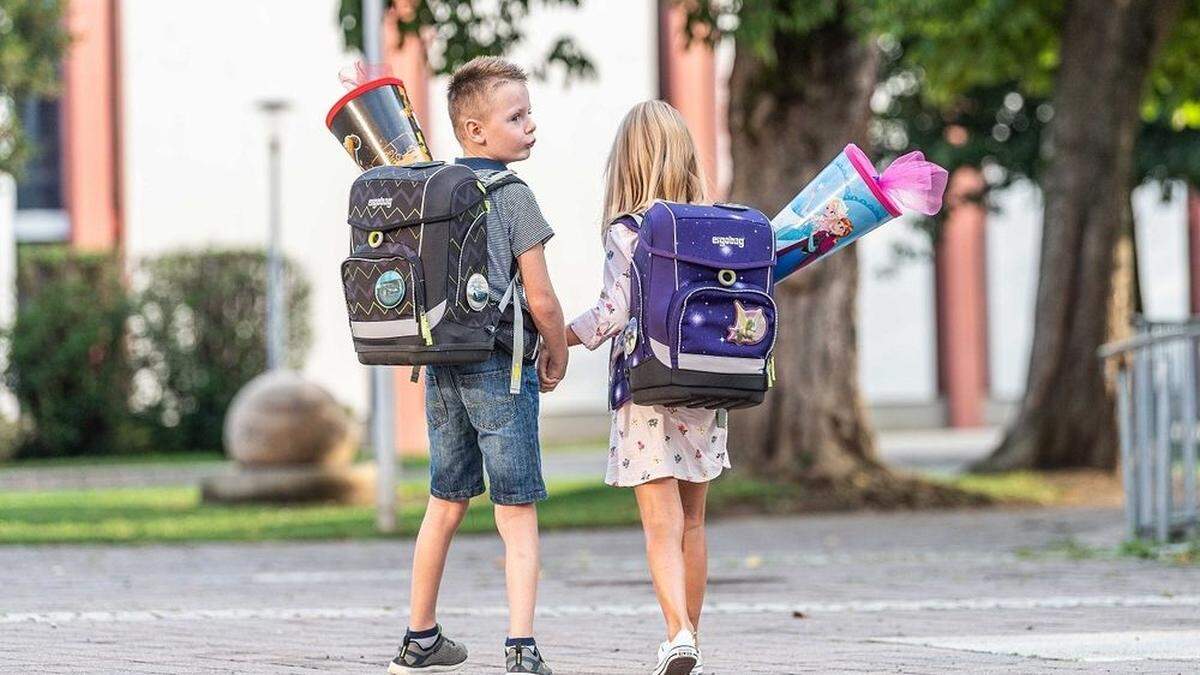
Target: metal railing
{"x": 1156, "y": 390}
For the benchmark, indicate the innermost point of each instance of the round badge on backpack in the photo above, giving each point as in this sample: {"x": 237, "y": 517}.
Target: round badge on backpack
{"x": 389, "y": 289}
{"x": 631, "y": 336}
{"x": 477, "y": 292}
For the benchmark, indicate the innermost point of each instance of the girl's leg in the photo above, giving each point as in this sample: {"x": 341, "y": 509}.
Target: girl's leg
{"x": 693, "y": 497}
{"x": 442, "y": 518}
{"x": 662, "y": 521}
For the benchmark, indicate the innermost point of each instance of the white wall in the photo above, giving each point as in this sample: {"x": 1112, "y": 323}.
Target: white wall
{"x": 8, "y": 282}
{"x": 897, "y": 330}
{"x": 576, "y": 125}
{"x": 195, "y": 151}
{"x": 1162, "y": 247}
{"x": 1014, "y": 247}
{"x": 195, "y": 146}
{"x": 195, "y": 175}
{"x": 1014, "y": 241}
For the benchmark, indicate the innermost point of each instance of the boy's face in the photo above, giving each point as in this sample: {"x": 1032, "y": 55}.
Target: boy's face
{"x": 504, "y": 131}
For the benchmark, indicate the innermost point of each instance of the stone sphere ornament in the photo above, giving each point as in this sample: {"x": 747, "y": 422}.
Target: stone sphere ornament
{"x": 291, "y": 443}
{"x": 281, "y": 418}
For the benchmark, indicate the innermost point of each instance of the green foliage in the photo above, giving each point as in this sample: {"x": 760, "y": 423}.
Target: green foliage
{"x": 958, "y": 45}
{"x": 201, "y": 335}
{"x": 464, "y": 29}
{"x": 68, "y": 363}
{"x": 757, "y": 24}
{"x": 32, "y": 40}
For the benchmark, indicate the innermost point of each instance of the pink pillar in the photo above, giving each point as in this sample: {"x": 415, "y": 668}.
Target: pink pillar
{"x": 1193, "y": 225}
{"x": 89, "y": 107}
{"x": 961, "y": 268}
{"x": 409, "y": 63}
{"x": 687, "y": 79}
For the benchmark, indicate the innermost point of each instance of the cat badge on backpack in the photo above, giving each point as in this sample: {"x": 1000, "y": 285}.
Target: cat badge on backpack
{"x": 702, "y": 314}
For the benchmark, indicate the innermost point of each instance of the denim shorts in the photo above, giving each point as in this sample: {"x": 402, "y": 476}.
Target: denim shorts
{"x": 476, "y": 424}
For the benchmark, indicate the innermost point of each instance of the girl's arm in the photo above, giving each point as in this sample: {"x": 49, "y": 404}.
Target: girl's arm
{"x": 609, "y": 315}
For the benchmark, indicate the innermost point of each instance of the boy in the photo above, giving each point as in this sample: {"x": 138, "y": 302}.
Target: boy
{"x": 473, "y": 419}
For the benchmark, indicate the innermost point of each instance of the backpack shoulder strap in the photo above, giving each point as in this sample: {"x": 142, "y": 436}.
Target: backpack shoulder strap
{"x": 491, "y": 184}
{"x": 500, "y": 179}
{"x": 631, "y": 220}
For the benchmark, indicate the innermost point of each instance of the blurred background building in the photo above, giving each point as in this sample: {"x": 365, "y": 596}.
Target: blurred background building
{"x": 157, "y": 144}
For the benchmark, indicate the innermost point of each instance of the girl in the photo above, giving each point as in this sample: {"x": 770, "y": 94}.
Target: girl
{"x": 667, "y": 455}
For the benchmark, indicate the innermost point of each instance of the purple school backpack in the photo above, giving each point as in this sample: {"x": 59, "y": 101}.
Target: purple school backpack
{"x": 701, "y": 317}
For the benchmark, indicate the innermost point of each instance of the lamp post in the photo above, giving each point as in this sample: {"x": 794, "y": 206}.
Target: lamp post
{"x": 276, "y": 349}
{"x": 383, "y": 400}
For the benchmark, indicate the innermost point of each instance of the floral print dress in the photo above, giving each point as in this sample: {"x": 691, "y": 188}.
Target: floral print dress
{"x": 648, "y": 442}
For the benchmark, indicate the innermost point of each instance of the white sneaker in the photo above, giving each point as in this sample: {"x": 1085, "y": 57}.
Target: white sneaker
{"x": 678, "y": 656}
{"x": 698, "y": 669}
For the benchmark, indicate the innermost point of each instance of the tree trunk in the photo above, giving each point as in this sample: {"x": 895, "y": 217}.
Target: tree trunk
{"x": 786, "y": 123}
{"x": 1085, "y": 283}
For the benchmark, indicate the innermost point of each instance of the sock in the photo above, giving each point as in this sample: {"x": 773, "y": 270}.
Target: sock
{"x": 520, "y": 642}
{"x": 424, "y": 638}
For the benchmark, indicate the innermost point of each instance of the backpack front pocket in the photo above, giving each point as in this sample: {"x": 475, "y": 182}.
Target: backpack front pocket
{"x": 384, "y": 297}
{"x": 722, "y": 330}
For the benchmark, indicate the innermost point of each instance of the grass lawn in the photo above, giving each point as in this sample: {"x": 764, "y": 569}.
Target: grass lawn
{"x": 175, "y": 514}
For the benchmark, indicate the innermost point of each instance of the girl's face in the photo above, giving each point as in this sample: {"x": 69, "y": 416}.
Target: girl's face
{"x": 840, "y": 228}
{"x": 508, "y": 127}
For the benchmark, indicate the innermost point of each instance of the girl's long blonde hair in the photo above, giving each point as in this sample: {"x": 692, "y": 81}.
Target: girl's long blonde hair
{"x": 653, "y": 157}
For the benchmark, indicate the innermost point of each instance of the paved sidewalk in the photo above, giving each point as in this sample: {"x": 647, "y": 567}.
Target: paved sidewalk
{"x": 975, "y": 591}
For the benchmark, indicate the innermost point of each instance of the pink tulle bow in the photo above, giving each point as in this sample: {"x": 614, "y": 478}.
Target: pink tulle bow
{"x": 914, "y": 183}
{"x": 361, "y": 73}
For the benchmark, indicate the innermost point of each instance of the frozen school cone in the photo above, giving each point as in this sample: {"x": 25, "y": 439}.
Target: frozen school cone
{"x": 849, "y": 199}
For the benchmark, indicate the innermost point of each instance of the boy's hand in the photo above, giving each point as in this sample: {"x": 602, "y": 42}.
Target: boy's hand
{"x": 551, "y": 369}
{"x": 547, "y": 316}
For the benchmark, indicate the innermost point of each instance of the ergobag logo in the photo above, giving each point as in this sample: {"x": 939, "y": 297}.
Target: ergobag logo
{"x": 380, "y": 201}
{"x": 739, "y": 242}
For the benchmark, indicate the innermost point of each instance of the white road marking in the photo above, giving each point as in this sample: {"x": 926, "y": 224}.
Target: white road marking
{"x": 1092, "y": 647}
{"x": 732, "y": 608}
{"x": 325, "y": 577}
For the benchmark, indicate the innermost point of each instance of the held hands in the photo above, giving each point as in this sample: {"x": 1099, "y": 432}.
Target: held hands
{"x": 551, "y": 368}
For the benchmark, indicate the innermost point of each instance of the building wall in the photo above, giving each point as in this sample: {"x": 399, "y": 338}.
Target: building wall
{"x": 8, "y": 282}
{"x": 194, "y": 156}
{"x": 194, "y": 160}
{"x": 195, "y": 149}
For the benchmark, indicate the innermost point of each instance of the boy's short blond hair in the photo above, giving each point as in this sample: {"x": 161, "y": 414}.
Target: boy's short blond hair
{"x": 471, "y": 85}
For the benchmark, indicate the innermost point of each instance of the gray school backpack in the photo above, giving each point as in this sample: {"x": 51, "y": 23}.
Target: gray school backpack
{"x": 416, "y": 279}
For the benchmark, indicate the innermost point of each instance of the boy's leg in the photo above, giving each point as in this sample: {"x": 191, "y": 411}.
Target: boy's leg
{"x": 442, "y": 518}
{"x": 518, "y": 528}
{"x": 695, "y": 546}
{"x": 456, "y": 475}
{"x": 508, "y": 439}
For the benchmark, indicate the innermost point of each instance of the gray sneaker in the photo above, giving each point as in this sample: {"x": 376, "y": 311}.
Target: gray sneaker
{"x": 445, "y": 656}
{"x": 520, "y": 659}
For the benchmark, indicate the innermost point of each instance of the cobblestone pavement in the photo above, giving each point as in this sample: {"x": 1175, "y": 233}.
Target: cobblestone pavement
{"x": 860, "y": 593}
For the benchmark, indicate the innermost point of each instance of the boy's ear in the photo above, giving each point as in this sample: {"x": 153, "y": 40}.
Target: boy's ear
{"x": 474, "y": 131}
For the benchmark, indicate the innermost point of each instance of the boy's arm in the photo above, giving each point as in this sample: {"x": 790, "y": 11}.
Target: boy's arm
{"x": 547, "y": 315}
